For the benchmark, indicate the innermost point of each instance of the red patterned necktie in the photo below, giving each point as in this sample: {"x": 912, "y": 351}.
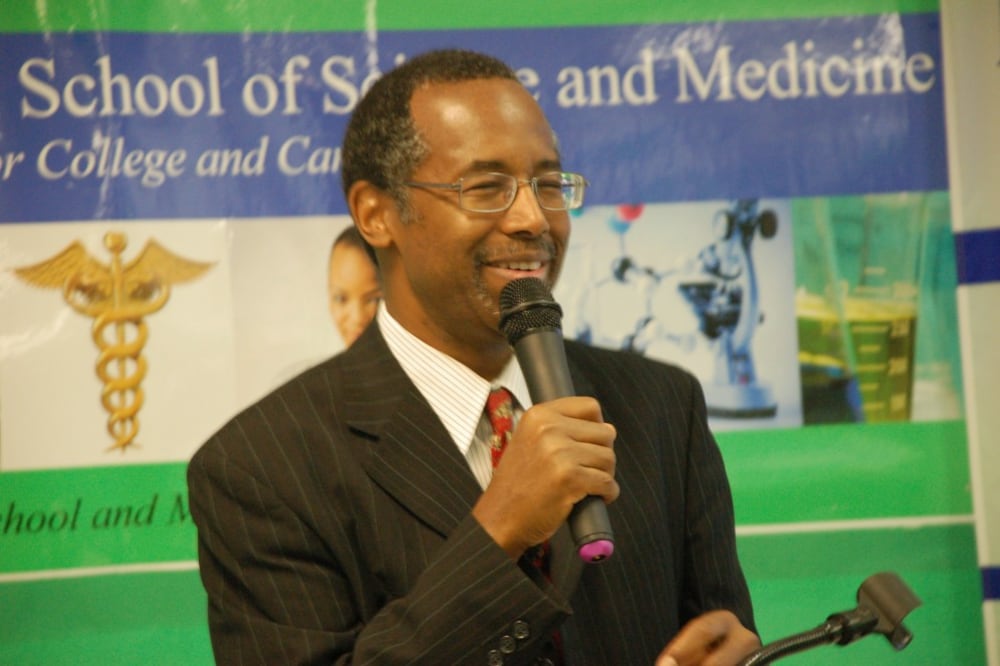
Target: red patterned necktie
{"x": 500, "y": 411}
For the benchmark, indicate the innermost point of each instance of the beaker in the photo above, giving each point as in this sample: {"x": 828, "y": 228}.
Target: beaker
{"x": 879, "y": 243}
{"x": 826, "y": 356}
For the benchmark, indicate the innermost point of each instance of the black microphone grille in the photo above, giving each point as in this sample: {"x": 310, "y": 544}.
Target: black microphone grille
{"x": 526, "y": 305}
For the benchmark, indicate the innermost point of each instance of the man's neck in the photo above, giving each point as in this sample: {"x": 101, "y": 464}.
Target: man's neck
{"x": 487, "y": 359}
{"x": 487, "y": 365}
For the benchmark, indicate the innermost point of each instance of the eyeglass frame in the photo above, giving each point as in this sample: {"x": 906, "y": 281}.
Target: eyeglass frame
{"x": 533, "y": 181}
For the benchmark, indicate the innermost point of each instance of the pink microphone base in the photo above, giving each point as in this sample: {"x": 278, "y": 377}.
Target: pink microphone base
{"x": 595, "y": 551}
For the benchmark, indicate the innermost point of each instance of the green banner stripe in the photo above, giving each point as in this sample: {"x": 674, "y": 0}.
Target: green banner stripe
{"x": 795, "y": 580}
{"x": 95, "y": 517}
{"x": 848, "y": 472}
{"x": 350, "y": 15}
{"x": 147, "y": 619}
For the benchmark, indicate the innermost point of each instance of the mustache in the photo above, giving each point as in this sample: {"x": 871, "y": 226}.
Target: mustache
{"x": 512, "y": 249}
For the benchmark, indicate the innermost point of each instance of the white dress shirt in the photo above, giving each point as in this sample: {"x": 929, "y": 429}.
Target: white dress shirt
{"x": 455, "y": 392}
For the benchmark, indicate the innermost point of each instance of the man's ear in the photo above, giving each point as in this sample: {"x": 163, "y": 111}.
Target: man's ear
{"x": 373, "y": 210}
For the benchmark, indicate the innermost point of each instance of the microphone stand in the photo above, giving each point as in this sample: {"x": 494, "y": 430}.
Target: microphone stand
{"x": 883, "y": 601}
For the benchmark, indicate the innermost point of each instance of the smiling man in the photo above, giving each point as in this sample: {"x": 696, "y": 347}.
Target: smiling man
{"x": 379, "y": 508}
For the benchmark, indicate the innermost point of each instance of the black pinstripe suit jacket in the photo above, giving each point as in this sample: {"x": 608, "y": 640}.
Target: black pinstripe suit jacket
{"x": 334, "y": 526}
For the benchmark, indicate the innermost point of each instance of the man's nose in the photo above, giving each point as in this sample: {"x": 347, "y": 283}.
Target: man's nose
{"x": 525, "y": 215}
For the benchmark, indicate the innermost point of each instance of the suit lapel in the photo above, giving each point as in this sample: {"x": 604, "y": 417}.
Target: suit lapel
{"x": 404, "y": 447}
{"x": 406, "y": 450}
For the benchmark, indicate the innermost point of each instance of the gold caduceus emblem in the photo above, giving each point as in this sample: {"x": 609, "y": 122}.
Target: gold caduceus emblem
{"x": 117, "y": 296}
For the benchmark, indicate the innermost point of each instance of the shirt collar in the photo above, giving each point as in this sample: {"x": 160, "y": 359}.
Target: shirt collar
{"x": 455, "y": 392}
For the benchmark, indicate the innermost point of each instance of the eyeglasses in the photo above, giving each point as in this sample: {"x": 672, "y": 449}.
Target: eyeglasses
{"x": 495, "y": 192}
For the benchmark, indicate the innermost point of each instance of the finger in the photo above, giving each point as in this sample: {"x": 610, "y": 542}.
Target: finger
{"x": 696, "y": 639}
{"x": 716, "y": 633}
{"x": 603, "y": 485}
{"x": 736, "y": 645}
{"x": 602, "y": 434}
{"x": 576, "y": 448}
{"x": 547, "y": 420}
{"x": 578, "y": 407}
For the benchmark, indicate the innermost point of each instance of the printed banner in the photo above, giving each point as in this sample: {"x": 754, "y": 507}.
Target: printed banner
{"x": 768, "y": 208}
{"x": 102, "y": 126}
{"x": 763, "y": 196}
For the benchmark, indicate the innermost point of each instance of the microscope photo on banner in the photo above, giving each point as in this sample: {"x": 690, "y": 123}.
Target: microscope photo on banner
{"x": 708, "y": 286}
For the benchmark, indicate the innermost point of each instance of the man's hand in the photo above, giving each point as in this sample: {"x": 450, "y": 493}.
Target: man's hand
{"x": 560, "y": 452}
{"x": 714, "y": 639}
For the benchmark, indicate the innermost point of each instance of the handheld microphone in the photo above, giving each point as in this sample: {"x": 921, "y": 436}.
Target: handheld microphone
{"x": 531, "y": 320}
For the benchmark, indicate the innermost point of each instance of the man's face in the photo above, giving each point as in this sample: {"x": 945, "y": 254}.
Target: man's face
{"x": 450, "y": 264}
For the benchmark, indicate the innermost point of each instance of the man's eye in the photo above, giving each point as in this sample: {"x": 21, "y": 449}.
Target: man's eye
{"x": 550, "y": 184}
{"x": 484, "y": 186}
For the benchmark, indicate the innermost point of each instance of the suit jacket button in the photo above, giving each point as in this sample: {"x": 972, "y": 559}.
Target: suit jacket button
{"x": 507, "y": 644}
{"x": 494, "y": 658}
{"x": 521, "y": 630}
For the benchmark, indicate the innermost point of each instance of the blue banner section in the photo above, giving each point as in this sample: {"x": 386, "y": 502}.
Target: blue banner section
{"x": 991, "y": 583}
{"x": 977, "y": 256}
{"x": 137, "y": 126}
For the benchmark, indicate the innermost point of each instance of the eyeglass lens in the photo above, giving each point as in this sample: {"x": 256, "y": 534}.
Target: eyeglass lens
{"x": 496, "y": 191}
